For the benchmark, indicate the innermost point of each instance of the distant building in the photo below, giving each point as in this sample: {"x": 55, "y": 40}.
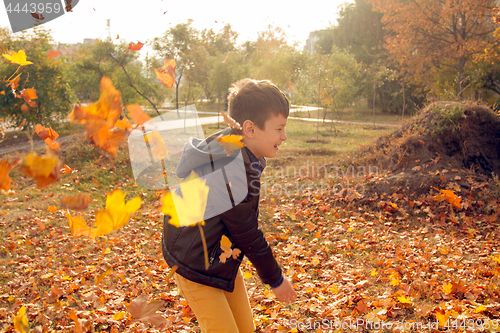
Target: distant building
{"x": 313, "y": 39}
{"x": 73, "y": 49}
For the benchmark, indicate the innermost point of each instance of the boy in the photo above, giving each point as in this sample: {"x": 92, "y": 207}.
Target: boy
{"x": 217, "y": 295}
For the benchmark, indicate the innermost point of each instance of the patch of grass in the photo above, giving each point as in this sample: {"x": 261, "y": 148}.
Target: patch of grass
{"x": 449, "y": 117}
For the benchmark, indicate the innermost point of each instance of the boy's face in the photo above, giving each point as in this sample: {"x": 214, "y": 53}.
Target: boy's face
{"x": 265, "y": 142}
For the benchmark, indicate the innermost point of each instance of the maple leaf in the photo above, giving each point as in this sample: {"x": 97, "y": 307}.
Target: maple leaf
{"x": 108, "y": 139}
{"x": 5, "y": 180}
{"x": 449, "y": 196}
{"x": 158, "y": 147}
{"x": 78, "y": 202}
{"x": 442, "y": 318}
{"x": 447, "y": 288}
{"x": 137, "y": 114}
{"x": 28, "y": 95}
{"x": 21, "y": 320}
{"x": 145, "y": 311}
{"x": 134, "y": 46}
{"x": 17, "y": 58}
{"x": 404, "y": 300}
{"x": 79, "y": 227}
{"x": 225, "y": 245}
{"x": 116, "y": 213}
{"x": 107, "y": 109}
{"x": 166, "y": 74}
{"x": 48, "y": 135}
{"x": 190, "y": 208}
{"x": 230, "y": 121}
{"x": 43, "y": 168}
{"x": 231, "y": 143}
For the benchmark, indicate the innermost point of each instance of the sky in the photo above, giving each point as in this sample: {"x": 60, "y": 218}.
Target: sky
{"x": 143, "y": 20}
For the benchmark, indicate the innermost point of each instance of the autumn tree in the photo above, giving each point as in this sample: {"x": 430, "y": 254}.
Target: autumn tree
{"x": 133, "y": 77}
{"x": 429, "y": 38}
{"x": 181, "y": 43}
{"x": 45, "y": 75}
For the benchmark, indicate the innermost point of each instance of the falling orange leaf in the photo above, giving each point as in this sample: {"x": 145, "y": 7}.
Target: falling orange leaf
{"x": 230, "y": 143}
{"x": 107, "y": 109}
{"x": 230, "y": 121}
{"x": 43, "y": 168}
{"x": 37, "y": 16}
{"x": 96, "y": 181}
{"x": 77, "y": 202}
{"x": 66, "y": 169}
{"x": 52, "y": 209}
{"x": 117, "y": 36}
{"x": 79, "y": 227}
{"x": 5, "y": 180}
{"x": 449, "y": 196}
{"x": 166, "y": 74}
{"x": 72, "y": 315}
{"x": 48, "y": 135}
{"x": 100, "y": 118}
{"x": 137, "y": 114}
{"x": 134, "y": 46}
{"x": 53, "y": 53}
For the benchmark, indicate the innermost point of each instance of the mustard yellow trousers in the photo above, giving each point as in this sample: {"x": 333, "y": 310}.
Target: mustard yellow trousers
{"x": 216, "y": 310}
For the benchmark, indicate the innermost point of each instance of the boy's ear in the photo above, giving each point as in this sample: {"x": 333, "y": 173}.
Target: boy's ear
{"x": 248, "y": 129}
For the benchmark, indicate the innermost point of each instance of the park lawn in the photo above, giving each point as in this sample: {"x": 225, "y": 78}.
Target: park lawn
{"x": 380, "y": 262}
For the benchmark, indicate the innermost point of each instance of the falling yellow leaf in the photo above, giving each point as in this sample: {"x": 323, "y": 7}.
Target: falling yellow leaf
{"x": 43, "y": 168}
{"x": 404, "y": 300}
{"x": 21, "y": 320}
{"x": 479, "y": 309}
{"x": 230, "y": 143}
{"x": 116, "y": 213}
{"x": 447, "y": 288}
{"x": 247, "y": 275}
{"x": 17, "y": 58}
{"x": 395, "y": 280}
{"x": 225, "y": 245}
{"x": 101, "y": 277}
{"x": 374, "y": 272}
{"x": 443, "y": 318}
{"x": 189, "y": 209}
{"x": 158, "y": 147}
{"x": 119, "y": 315}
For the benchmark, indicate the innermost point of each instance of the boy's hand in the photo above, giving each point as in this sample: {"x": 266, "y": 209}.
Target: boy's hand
{"x": 285, "y": 292}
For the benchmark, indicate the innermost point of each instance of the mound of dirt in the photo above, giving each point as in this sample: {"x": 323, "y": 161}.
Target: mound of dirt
{"x": 447, "y": 144}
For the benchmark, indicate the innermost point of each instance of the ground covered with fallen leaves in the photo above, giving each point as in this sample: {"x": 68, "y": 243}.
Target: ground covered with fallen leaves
{"x": 385, "y": 259}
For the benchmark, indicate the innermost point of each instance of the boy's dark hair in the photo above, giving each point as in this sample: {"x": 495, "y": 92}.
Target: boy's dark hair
{"x": 256, "y": 100}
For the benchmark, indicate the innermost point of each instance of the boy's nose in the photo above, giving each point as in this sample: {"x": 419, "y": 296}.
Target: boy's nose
{"x": 283, "y": 136}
